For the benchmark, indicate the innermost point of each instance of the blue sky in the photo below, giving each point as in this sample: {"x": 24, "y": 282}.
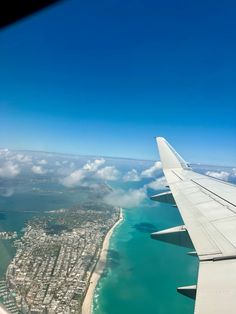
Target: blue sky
{"x": 105, "y": 77}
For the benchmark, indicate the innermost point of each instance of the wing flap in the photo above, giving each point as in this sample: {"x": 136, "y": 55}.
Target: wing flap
{"x": 206, "y": 239}
{"x": 216, "y": 288}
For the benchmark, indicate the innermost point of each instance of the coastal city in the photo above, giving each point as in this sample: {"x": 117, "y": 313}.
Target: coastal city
{"x": 55, "y": 258}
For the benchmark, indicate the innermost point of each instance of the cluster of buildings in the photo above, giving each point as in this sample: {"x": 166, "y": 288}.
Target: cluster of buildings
{"x": 50, "y": 272}
{"x": 8, "y": 235}
{"x": 7, "y": 298}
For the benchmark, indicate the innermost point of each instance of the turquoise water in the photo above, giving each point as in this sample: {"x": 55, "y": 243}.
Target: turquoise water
{"x": 142, "y": 274}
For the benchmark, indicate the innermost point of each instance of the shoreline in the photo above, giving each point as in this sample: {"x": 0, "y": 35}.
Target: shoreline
{"x": 98, "y": 270}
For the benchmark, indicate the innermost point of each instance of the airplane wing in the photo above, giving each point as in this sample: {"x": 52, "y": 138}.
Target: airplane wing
{"x": 208, "y": 210}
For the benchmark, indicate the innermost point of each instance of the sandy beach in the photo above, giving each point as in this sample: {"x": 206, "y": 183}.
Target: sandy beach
{"x": 3, "y": 310}
{"x": 88, "y": 300}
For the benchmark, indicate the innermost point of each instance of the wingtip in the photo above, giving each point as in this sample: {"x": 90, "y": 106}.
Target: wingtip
{"x": 160, "y": 139}
{"x": 169, "y": 157}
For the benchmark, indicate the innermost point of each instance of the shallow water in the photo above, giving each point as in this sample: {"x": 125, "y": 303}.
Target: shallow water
{"x": 142, "y": 274}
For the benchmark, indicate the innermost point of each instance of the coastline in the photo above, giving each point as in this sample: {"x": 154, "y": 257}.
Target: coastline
{"x": 98, "y": 270}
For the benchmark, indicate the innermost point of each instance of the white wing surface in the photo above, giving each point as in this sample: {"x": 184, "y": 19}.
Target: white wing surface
{"x": 208, "y": 209}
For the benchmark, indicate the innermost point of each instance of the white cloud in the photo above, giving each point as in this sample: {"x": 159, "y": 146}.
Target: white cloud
{"x": 89, "y": 169}
{"x": 74, "y": 178}
{"x": 9, "y": 170}
{"x": 57, "y": 163}
{"x": 222, "y": 175}
{"x": 127, "y": 199}
{"x": 131, "y": 175}
{"x": 22, "y": 158}
{"x": 151, "y": 172}
{"x": 38, "y": 170}
{"x": 109, "y": 173}
{"x": 42, "y": 162}
{"x": 158, "y": 184}
{"x": 4, "y": 150}
{"x": 15, "y": 157}
{"x": 94, "y": 165}
{"x": 233, "y": 172}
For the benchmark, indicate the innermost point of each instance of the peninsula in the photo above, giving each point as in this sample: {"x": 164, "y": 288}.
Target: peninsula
{"x": 53, "y": 267}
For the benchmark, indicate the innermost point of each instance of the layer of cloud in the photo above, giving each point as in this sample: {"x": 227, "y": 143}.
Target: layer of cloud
{"x": 109, "y": 173}
{"x": 38, "y": 170}
{"x": 9, "y": 169}
{"x": 72, "y": 164}
{"x": 74, "y": 178}
{"x": 158, "y": 184}
{"x": 126, "y": 199}
{"x": 152, "y": 171}
{"x": 94, "y": 165}
{"x": 4, "y": 152}
{"x": 131, "y": 175}
{"x": 42, "y": 162}
{"x": 7, "y": 155}
{"x": 77, "y": 177}
{"x": 233, "y": 172}
{"x": 222, "y": 175}
{"x": 22, "y": 158}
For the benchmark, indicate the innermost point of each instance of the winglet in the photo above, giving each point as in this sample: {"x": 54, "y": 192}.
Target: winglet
{"x": 169, "y": 157}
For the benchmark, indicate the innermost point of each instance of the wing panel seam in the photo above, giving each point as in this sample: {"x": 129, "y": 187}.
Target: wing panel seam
{"x": 214, "y": 193}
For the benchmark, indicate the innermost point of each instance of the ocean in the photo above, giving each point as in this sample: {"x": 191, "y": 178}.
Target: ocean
{"x": 142, "y": 274}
